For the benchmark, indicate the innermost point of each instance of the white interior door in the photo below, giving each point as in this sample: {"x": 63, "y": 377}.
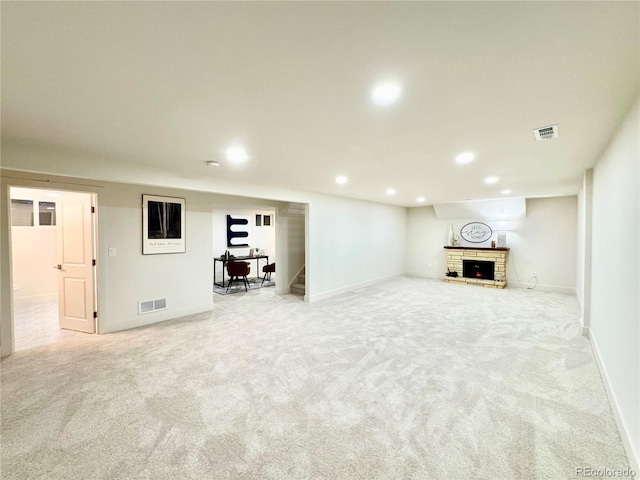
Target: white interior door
{"x": 76, "y": 292}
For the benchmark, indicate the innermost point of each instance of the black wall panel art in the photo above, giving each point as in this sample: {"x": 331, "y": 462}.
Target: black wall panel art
{"x": 237, "y": 232}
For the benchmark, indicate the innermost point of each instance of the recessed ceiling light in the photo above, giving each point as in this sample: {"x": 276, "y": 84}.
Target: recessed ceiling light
{"x": 386, "y": 93}
{"x": 236, "y": 154}
{"x": 390, "y": 191}
{"x": 421, "y": 199}
{"x": 213, "y": 163}
{"x": 491, "y": 180}
{"x": 505, "y": 192}
{"x": 465, "y": 157}
{"x": 341, "y": 179}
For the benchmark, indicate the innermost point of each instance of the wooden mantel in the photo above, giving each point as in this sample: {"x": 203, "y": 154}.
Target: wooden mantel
{"x": 478, "y": 248}
{"x": 455, "y": 256}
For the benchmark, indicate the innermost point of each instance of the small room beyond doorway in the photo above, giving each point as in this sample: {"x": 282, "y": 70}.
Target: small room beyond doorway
{"x": 36, "y": 258}
{"x": 247, "y": 234}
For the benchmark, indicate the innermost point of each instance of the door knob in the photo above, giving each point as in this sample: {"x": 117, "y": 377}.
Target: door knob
{"x": 59, "y": 267}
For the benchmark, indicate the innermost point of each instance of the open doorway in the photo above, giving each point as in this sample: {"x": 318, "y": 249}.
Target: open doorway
{"x": 246, "y": 236}
{"x": 53, "y": 267}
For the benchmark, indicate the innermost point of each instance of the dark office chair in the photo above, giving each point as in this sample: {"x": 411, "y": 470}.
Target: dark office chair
{"x": 237, "y": 271}
{"x": 268, "y": 270}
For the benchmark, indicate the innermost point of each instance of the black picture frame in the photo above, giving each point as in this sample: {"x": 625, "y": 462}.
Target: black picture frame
{"x": 163, "y": 225}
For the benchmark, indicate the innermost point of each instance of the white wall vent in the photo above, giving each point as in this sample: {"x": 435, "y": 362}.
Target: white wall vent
{"x": 160, "y": 304}
{"x": 149, "y": 306}
{"x": 546, "y": 133}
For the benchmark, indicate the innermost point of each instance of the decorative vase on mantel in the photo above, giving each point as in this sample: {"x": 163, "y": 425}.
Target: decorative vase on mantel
{"x": 502, "y": 239}
{"x": 454, "y": 240}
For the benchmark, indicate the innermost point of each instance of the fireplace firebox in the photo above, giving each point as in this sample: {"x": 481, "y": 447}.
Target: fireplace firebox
{"x": 478, "y": 269}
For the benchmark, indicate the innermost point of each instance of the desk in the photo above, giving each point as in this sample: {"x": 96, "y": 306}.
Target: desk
{"x": 236, "y": 259}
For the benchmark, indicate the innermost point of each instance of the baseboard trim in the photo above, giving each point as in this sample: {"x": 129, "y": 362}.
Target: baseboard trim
{"x": 433, "y": 276}
{"x": 282, "y": 290}
{"x": 332, "y": 293}
{"x": 632, "y": 455}
{"x": 150, "y": 319}
{"x": 541, "y": 287}
{"x": 544, "y": 288}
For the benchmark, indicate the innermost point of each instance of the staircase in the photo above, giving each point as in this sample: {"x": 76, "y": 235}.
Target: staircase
{"x": 298, "y": 285}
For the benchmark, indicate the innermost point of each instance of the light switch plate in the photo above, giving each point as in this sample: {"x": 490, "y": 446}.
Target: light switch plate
{"x": 112, "y": 252}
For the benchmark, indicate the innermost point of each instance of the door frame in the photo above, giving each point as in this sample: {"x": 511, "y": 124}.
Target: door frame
{"x": 7, "y": 328}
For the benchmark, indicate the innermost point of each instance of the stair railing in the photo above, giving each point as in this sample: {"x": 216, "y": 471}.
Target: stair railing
{"x": 295, "y": 277}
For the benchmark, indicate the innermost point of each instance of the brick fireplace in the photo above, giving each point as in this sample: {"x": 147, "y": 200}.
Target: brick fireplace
{"x": 485, "y": 267}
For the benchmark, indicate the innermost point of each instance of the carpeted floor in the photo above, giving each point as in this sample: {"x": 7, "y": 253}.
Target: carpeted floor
{"x": 409, "y": 379}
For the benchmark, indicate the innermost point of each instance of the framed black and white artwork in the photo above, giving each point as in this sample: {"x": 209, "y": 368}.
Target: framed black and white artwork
{"x": 163, "y": 225}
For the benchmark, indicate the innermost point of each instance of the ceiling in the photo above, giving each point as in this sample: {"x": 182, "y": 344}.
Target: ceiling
{"x": 166, "y": 86}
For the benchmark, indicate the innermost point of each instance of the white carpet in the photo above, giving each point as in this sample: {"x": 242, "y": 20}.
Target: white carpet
{"x": 410, "y": 379}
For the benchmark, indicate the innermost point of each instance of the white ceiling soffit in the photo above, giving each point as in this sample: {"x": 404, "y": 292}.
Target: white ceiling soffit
{"x": 500, "y": 209}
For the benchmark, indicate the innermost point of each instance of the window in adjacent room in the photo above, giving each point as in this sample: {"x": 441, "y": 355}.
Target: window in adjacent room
{"x": 47, "y": 214}
{"x": 22, "y": 213}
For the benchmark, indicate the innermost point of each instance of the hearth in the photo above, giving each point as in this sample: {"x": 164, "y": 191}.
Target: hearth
{"x": 495, "y": 278}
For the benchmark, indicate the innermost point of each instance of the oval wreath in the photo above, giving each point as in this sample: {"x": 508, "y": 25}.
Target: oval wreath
{"x": 476, "y": 232}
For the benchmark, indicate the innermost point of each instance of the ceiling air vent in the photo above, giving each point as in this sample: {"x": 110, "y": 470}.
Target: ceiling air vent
{"x": 546, "y": 133}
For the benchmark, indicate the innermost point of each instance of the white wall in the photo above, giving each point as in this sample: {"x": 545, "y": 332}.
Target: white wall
{"x": 352, "y": 243}
{"x": 581, "y": 244}
{"x": 184, "y": 279}
{"x": 426, "y": 237}
{"x": 34, "y": 255}
{"x": 544, "y": 242}
{"x": 615, "y": 309}
{"x": 583, "y": 247}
